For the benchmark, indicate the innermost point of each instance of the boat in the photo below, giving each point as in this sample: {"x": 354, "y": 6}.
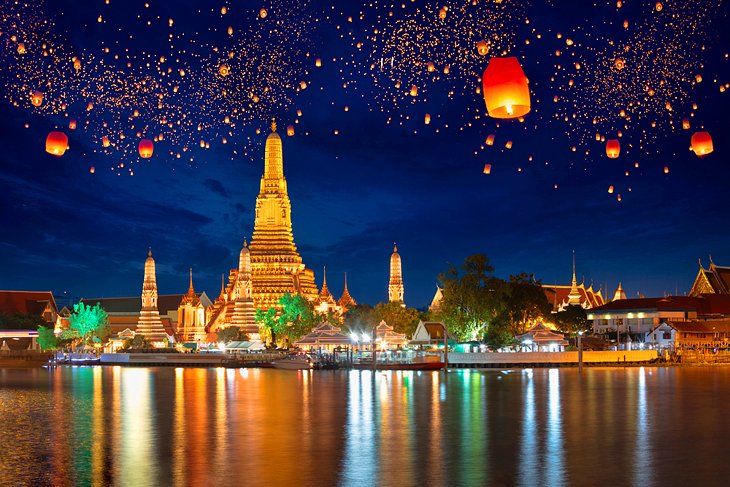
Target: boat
{"x": 294, "y": 362}
{"x": 23, "y": 359}
{"x": 400, "y": 365}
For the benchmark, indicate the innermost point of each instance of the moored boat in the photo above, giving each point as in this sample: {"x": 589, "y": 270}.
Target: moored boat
{"x": 294, "y": 362}
{"x": 23, "y": 359}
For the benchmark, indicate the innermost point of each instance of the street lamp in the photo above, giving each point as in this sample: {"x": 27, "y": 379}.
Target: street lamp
{"x": 580, "y": 351}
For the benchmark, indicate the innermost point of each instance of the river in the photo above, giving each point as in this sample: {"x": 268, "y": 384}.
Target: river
{"x": 229, "y": 427}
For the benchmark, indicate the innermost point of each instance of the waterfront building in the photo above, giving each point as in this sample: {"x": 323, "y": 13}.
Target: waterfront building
{"x": 540, "y": 338}
{"x": 346, "y": 301}
{"x": 395, "y": 285}
{"x": 428, "y": 333}
{"x": 438, "y": 298}
{"x": 325, "y": 337}
{"x": 34, "y": 303}
{"x": 191, "y": 314}
{"x": 149, "y": 324}
{"x": 325, "y": 301}
{"x": 561, "y": 296}
{"x": 386, "y": 336}
{"x": 713, "y": 280}
{"x": 696, "y": 334}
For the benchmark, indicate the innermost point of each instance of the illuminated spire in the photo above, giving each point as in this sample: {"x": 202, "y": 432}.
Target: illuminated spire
{"x": 395, "y": 286}
{"x": 346, "y": 301}
{"x": 574, "y": 294}
{"x": 149, "y": 324}
{"x": 324, "y": 294}
{"x": 191, "y": 290}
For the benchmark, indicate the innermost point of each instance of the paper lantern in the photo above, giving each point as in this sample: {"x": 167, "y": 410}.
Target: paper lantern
{"x": 92, "y": 169}
{"x": 482, "y": 48}
{"x": 702, "y": 143}
{"x": 610, "y": 189}
{"x": 414, "y": 90}
{"x": 490, "y": 139}
{"x": 427, "y": 119}
{"x": 430, "y": 67}
{"x": 224, "y": 70}
{"x": 105, "y": 141}
{"x": 318, "y": 63}
{"x": 36, "y": 98}
{"x": 487, "y": 168}
{"x": 505, "y": 88}
{"x": 290, "y": 130}
{"x": 21, "y": 48}
{"x": 685, "y": 123}
{"x": 442, "y": 13}
{"x": 666, "y": 169}
{"x": 56, "y": 143}
{"x": 263, "y": 13}
{"x": 146, "y": 148}
{"x": 72, "y": 124}
{"x": 508, "y": 145}
{"x": 613, "y": 148}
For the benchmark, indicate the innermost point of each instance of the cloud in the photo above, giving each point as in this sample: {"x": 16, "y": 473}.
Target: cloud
{"x": 216, "y": 186}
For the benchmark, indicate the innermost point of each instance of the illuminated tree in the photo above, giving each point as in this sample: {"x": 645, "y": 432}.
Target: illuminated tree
{"x": 403, "y": 320}
{"x": 572, "y": 319}
{"x": 360, "y": 318}
{"x": 231, "y": 334}
{"x": 46, "y": 338}
{"x": 89, "y": 321}
{"x": 526, "y": 303}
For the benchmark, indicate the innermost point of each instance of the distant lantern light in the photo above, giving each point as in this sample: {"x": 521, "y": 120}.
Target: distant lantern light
{"x": 698, "y": 78}
{"x": 36, "y": 98}
{"x": 666, "y": 169}
{"x": 685, "y": 124}
{"x": 224, "y": 70}
{"x": 702, "y": 143}
{"x": 490, "y": 139}
{"x": 90, "y": 106}
{"x": 483, "y": 48}
{"x": 658, "y": 6}
{"x": 430, "y": 67}
{"x": 610, "y": 189}
{"x": 303, "y": 85}
{"x": 619, "y": 63}
{"x": 146, "y": 148}
{"x": 442, "y": 13}
{"x": 508, "y": 145}
{"x": 290, "y": 130}
{"x": 446, "y": 70}
{"x": 487, "y": 169}
{"x": 263, "y": 13}
{"x": 21, "y": 48}
{"x": 414, "y": 90}
{"x": 427, "y": 119}
{"x": 230, "y": 30}
{"x": 105, "y": 141}
{"x": 318, "y": 63}
{"x": 77, "y": 64}
{"x": 56, "y": 143}
{"x": 613, "y": 148}
{"x": 505, "y": 88}
{"x": 92, "y": 169}
{"x": 72, "y": 124}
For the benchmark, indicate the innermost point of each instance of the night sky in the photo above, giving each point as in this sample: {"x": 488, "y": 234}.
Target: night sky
{"x": 363, "y": 169}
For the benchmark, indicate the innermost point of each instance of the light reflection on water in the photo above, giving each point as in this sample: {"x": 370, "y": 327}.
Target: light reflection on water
{"x": 146, "y": 426}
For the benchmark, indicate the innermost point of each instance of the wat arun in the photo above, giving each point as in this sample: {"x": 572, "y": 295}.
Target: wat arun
{"x": 276, "y": 268}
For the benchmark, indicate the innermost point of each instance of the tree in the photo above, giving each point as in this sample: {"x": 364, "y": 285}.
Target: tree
{"x": 526, "y": 303}
{"x": 572, "y": 319}
{"x": 360, "y": 319}
{"x": 498, "y": 335}
{"x": 86, "y": 320}
{"x": 268, "y": 324}
{"x": 136, "y": 342}
{"x": 403, "y": 320}
{"x": 473, "y": 298}
{"x": 231, "y": 334}
{"x": 46, "y": 338}
{"x": 20, "y": 321}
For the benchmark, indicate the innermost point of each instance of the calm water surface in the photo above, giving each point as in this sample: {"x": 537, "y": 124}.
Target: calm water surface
{"x": 165, "y": 426}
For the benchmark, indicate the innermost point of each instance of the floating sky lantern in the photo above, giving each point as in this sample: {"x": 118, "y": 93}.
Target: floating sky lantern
{"x": 505, "y": 88}
{"x": 610, "y": 189}
{"x": 414, "y": 90}
{"x": 92, "y": 169}
{"x": 490, "y": 139}
{"x": 442, "y": 13}
{"x": 146, "y": 148}
{"x": 446, "y": 69}
{"x": 508, "y": 145}
{"x": 36, "y": 98}
{"x": 685, "y": 123}
{"x": 105, "y": 141}
{"x": 487, "y": 169}
{"x": 303, "y": 85}
{"x": 666, "y": 169}
{"x": 224, "y": 70}
{"x": 56, "y": 143}
{"x": 72, "y": 124}
{"x": 483, "y": 48}
{"x": 21, "y": 48}
{"x": 318, "y": 63}
{"x": 430, "y": 67}
{"x": 613, "y": 148}
{"x": 619, "y": 63}
{"x": 658, "y": 6}
{"x": 427, "y": 119}
{"x": 263, "y": 13}
{"x": 290, "y": 130}
{"x": 702, "y": 143}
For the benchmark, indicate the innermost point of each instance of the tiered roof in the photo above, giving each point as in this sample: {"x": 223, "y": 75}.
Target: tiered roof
{"x": 324, "y": 335}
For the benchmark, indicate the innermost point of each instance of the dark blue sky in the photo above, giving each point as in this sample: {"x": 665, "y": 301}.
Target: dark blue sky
{"x": 373, "y": 183}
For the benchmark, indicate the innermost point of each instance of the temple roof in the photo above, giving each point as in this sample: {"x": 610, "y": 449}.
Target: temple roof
{"x": 28, "y": 302}
{"x": 132, "y": 305}
{"x": 325, "y": 334}
{"x": 704, "y": 305}
{"x": 714, "y": 279}
{"x": 558, "y": 296}
{"x": 701, "y": 326}
{"x": 541, "y": 333}
{"x": 346, "y": 301}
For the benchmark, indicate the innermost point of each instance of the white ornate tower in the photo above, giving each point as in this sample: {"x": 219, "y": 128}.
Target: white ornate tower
{"x": 395, "y": 286}
{"x": 149, "y": 324}
{"x": 574, "y": 294}
{"x": 243, "y": 309}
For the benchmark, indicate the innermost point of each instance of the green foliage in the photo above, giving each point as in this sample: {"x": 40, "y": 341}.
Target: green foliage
{"x": 89, "y": 321}
{"x": 267, "y": 324}
{"x": 498, "y": 335}
{"x": 572, "y": 320}
{"x": 525, "y": 303}
{"x": 231, "y": 334}
{"x": 360, "y": 319}
{"x": 20, "y": 321}
{"x": 46, "y": 338}
{"x": 403, "y": 320}
{"x": 473, "y": 298}
{"x": 136, "y": 342}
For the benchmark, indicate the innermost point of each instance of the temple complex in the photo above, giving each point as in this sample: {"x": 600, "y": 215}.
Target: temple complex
{"x": 191, "y": 315}
{"x": 713, "y": 280}
{"x": 561, "y": 296}
{"x": 346, "y": 301}
{"x": 395, "y": 286}
{"x": 326, "y": 302}
{"x": 149, "y": 324}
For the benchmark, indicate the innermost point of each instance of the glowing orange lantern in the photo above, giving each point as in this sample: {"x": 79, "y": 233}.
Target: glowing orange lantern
{"x": 92, "y": 169}
{"x": 430, "y": 67}
{"x": 508, "y": 145}
{"x": 290, "y": 130}
{"x": 21, "y": 48}
{"x": 685, "y": 124}
{"x": 414, "y": 90}
{"x": 482, "y": 48}
{"x": 56, "y": 143}
{"x": 105, "y": 141}
{"x": 318, "y": 63}
{"x": 72, "y": 124}
{"x": 427, "y": 119}
{"x": 487, "y": 168}
{"x": 146, "y": 148}
{"x": 490, "y": 139}
{"x": 224, "y": 70}
{"x": 610, "y": 189}
{"x": 263, "y": 13}
{"x": 702, "y": 143}
{"x": 442, "y": 13}
{"x": 613, "y": 148}
{"x": 505, "y": 88}
{"x": 36, "y": 98}
{"x": 666, "y": 169}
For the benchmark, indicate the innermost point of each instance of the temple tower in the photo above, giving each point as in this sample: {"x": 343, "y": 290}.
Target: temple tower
{"x": 346, "y": 301}
{"x": 276, "y": 267}
{"x": 574, "y": 294}
{"x": 243, "y": 310}
{"x": 395, "y": 286}
{"x": 149, "y": 324}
